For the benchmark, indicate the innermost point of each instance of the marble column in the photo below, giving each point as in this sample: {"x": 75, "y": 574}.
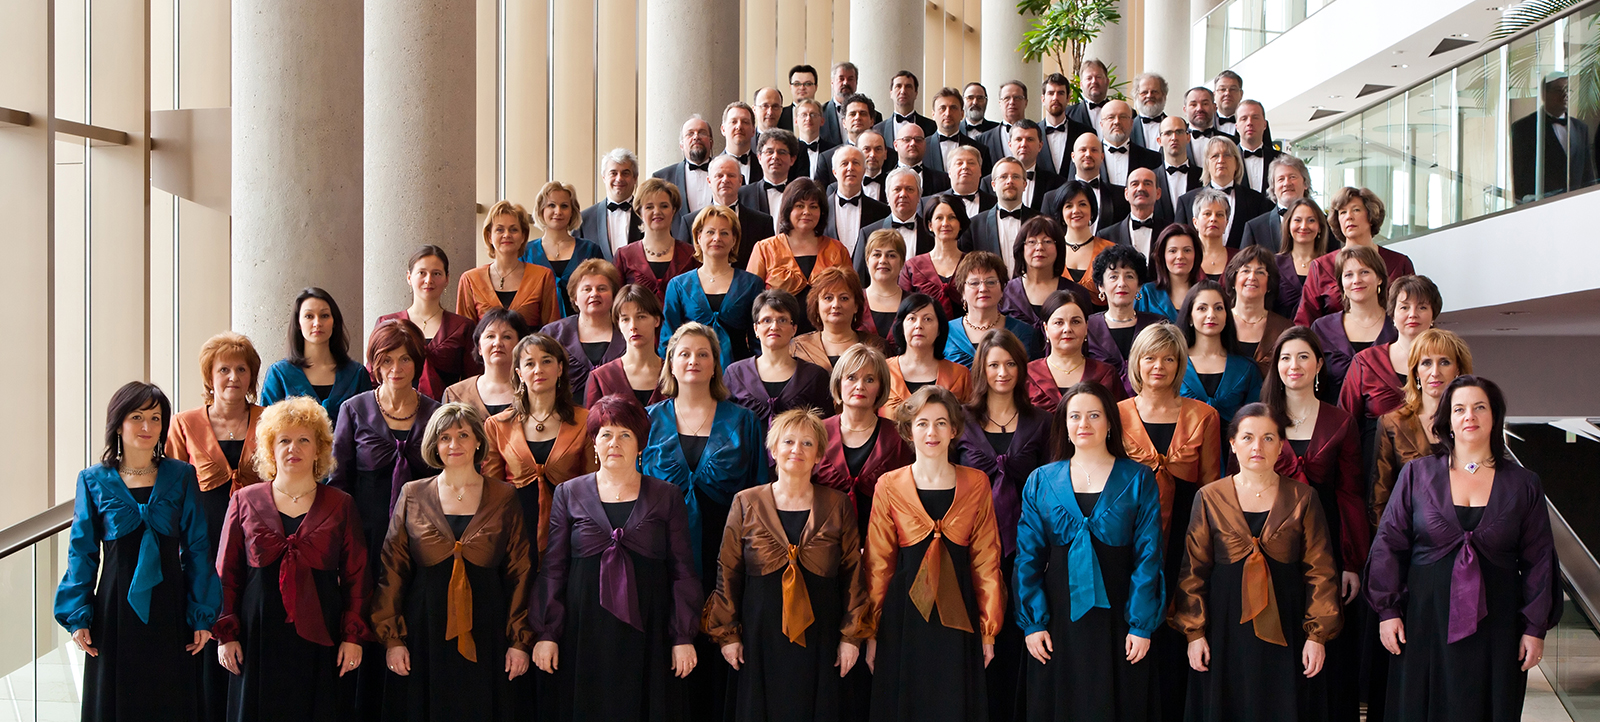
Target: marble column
{"x": 297, "y": 218}
{"x": 692, "y": 56}
{"x": 1166, "y": 45}
{"x": 1003, "y": 28}
{"x": 420, "y": 124}
{"x": 1111, "y": 46}
{"x": 885, "y": 38}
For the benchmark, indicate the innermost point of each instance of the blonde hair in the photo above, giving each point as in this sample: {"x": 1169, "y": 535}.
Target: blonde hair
{"x": 301, "y": 411}
{"x": 854, "y": 359}
{"x": 803, "y": 420}
{"x": 908, "y": 410}
{"x": 669, "y": 383}
{"x": 225, "y": 344}
{"x": 1432, "y": 342}
{"x": 506, "y": 208}
{"x": 446, "y": 418}
{"x": 1156, "y": 339}
{"x": 708, "y": 213}
{"x": 886, "y": 237}
{"x": 544, "y": 195}
{"x": 654, "y": 185}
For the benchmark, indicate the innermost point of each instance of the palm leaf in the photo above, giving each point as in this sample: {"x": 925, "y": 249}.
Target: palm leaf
{"x": 1527, "y": 14}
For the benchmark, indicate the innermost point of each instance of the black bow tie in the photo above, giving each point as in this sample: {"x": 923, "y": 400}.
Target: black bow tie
{"x": 773, "y": 186}
{"x": 1280, "y": 210}
{"x": 942, "y": 138}
{"x": 970, "y": 197}
{"x": 1135, "y": 224}
{"x": 1092, "y": 183}
{"x": 916, "y": 168}
{"x": 1257, "y": 153}
{"x": 743, "y": 159}
{"x": 1207, "y": 133}
{"x": 1176, "y": 169}
{"x": 1093, "y": 105}
{"x": 1055, "y": 129}
{"x": 897, "y": 225}
{"x": 878, "y": 179}
{"x": 812, "y": 146}
{"x": 1010, "y": 214}
{"x": 623, "y": 206}
{"x": 1156, "y": 119}
{"x": 1116, "y": 149}
{"x": 898, "y": 118}
{"x": 854, "y": 200}
{"x": 1559, "y": 121}
{"x": 1030, "y": 175}
{"x": 698, "y": 166}
{"x": 1228, "y": 190}
{"x": 1223, "y": 119}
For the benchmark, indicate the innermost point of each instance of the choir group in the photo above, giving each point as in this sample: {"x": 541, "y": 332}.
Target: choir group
{"x": 793, "y": 433}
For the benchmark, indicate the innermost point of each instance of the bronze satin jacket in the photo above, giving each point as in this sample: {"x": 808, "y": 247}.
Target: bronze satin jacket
{"x": 1295, "y": 531}
{"x": 1400, "y": 441}
{"x": 1195, "y": 455}
{"x": 898, "y": 520}
{"x": 754, "y": 543}
{"x": 420, "y": 536}
{"x": 509, "y": 460}
{"x": 191, "y": 439}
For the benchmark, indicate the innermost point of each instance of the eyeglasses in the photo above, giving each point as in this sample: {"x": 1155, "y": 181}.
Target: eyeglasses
{"x": 802, "y": 84}
{"x": 774, "y": 322}
{"x": 1037, "y": 243}
{"x": 977, "y": 283}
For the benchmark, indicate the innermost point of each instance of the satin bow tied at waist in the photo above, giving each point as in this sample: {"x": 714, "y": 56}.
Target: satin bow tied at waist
{"x": 1259, "y": 602}
{"x": 616, "y": 583}
{"x": 797, "y": 616}
{"x": 459, "y": 603}
{"x": 147, "y": 571}
{"x": 1083, "y": 570}
{"x": 1468, "y": 600}
{"x": 935, "y": 585}
{"x": 304, "y": 611}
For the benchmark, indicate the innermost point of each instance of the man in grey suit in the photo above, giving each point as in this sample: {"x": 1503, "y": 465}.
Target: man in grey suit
{"x": 611, "y": 223}
{"x": 995, "y": 230}
{"x": 1289, "y": 182}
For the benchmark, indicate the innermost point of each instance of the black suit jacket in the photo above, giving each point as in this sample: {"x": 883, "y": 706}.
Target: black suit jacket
{"x": 986, "y": 200}
{"x": 1138, "y": 157}
{"x": 1564, "y": 170}
{"x": 1268, "y": 154}
{"x": 1121, "y": 233}
{"x": 1265, "y": 230}
{"x": 754, "y": 196}
{"x": 825, "y": 175}
{"x": 935, "y": 156}
{"x": 886, "y": 128}
{"x": 934, "y": 182}
{"x": 676, "y": 175}
{"x": 754, "y": 227}
{"x": 1247, "y": 206}
{"x": 1044, "y": 182}
{"x": 993, "y": 142}
{"x": 1168, "y": 198}
{"x": 1079, "y": 112}
{"x": 832, "y": 131}
{"x": 1074, "y": 129}
{"x": 1111, "y": 205}
{"x": 972, "y": 130}
{"x": 872, "y": 211}
{"x": 983, "y": 233}
{"x": 1138, "y": 131}
{"x": 596, "y": 228}
{"x": 924, "y": 245}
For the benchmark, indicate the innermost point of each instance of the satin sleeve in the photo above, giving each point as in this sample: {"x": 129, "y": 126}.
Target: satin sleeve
{"x": 1210, "y": 448}
{"x": 273, "y": 388}
{"x": 344, "y": 451}
{"x": 74, "y": 607}
{"x": 465, "y": 306}
{"x": 231, "y": 570}
{"x": 1322, "y": 616}
{"x": 1147, "y": 590}
{"x": 548, "y": 604}
{"x": 1355, "y": 532}
{"x": 851, "y": 579}
{"x": 394, "y": 576}
{"x": 1536, "y": 560}
{"x": 686, "y": 600}
{"x": 1189, "y": 608}
{"x": 205, "y": 590}
{"x": 1391, "y": 552}
{"x": 988, "y": 582}
{"x": 517, "y": 570}
{"x": 720, "y": 618}
{"x": 550, "y": 299}
{"x": 1388, "y": 470}
{"x": 1033, "y": 549}
{"x": 494, "y": 463}
{"x": 882, "y": 549}
{"x": 353, "y": 579}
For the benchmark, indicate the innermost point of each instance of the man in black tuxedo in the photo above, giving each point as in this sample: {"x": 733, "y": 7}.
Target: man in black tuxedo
{"x": 776, "y": 150}
{"x": 875, "y": 182}
{"x": 1224, "y": 171}
{"x": 768, "y": 109}
{"x": 849, "y": 210}
{"x": 738, "y": 133}
{"x": 995, "y": 230}
{"x": 911, "y": 147}
{"x": 903, "y": 89}
{"x": 724, "y": 181}
{"x": 966, "y": 181}
{"x": 1150, "y": 99}
{"x": 947, "y": 135}
{"x": 1122, "y": 156}
{"x": 844, "y": 86}
{"x": 1258, "y": 156}
{"x": 1013, "y": 108}
{"x": 1095, "y": 82}
{"x": 1228, "y": 92}
{"x": 1145, "y": 219}
{"x": 1290, "y": 181}
{"x": 858, "y": 115}
{"x": 1088, "y": 163}
{"x": 611, "y": 223}
{"x": 802, "y": 85}
{"x": 807, "y": 130}
{"x": 1179, "y": 174}
{"x": 1060, "y": 128}
{"x": 1200, "y": 108}
{"x": 975, "y": 103}
{"x": 1025, "y": 147}
{"x": 904, "y": 200}
{"x": 689, "y": 175}
{"x": 1562, "y": 143}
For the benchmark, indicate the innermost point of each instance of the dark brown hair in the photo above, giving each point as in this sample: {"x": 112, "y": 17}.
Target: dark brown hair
{"x": 832, "y": 280}
{"x": 1061, "y": 447}
{"x": 134, "y": 396}
{"x": 395, "y": 333}
{"x": 1158, "y": 256}
{"x": 338, "y": 341}
{"x": 1039, "y": 226}
{"x": 1230, "y": 275}
{"x": 801, "y": 189}
{"x": 998, "y": 338}
{"x": 564, "y": 406}
{"x": 1497, "y": 410}
{"x": 427, "y": 251}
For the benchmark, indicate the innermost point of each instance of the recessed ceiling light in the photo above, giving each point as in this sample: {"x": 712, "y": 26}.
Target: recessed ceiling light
{"x": 1494, "y": 9}
{"x": 1399, "y": 52}
{"x": 1459, "y": 35}
{"x": 1335, "y": 96}
{"x": 1400, "y": 65}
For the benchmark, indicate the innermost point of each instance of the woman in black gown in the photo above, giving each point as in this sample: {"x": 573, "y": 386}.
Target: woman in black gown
{"x": 294, "y": 578}
{"x": 137, "y": 527}
{"x": 617, "y": 604}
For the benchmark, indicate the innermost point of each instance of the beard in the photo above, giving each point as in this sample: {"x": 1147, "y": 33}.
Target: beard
{"x": 1150, "y": 110}
{"x": 974, "y": 116}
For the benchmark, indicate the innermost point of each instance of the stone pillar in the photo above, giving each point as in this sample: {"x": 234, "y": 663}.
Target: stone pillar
{"x": 296, "y": 162}
{"x": 1003, "y": 27}
{"x": 692, "y": 52}
{"x": 1111, "y": 46}
{"x": 1166, "y": 46}
{"x": 420, "y": 120}
{"x": 885, "y": 38}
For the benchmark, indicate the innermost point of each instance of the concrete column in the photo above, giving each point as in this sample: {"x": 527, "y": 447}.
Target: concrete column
{"x": 419, "y": 124}
{"x": 296, "y": 162}
{"x": 1111, "y": 46}
{"x": 1002, "y": 32}
{"x": 692, "y": 51}
{"x": 885, "y": 37}
{"x": 1166, "y": 45}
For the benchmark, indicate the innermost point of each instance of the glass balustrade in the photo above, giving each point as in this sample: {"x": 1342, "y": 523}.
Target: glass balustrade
{"x": 1237, "y": 28}
{"x": 41, "y": 671}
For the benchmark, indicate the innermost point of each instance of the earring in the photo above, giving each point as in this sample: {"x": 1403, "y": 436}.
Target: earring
{"x": 1419, "y": 384}
{"x": 119, "y": 448}
{"x": 1316, "y": 384}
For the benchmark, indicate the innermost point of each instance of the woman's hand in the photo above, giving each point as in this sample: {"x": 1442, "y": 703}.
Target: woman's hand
{"x": 545, "y": 657}
{"x": 872, "y": 655}
{"x": 200, "y": 638}
{"x": 848, "y": 653}
{"x": 399, "y": 660}
{"x": 81, "y": 637}
{"x": 1200, "y": 655}
{"x": 988, "y": 654}
{"x": 230, "y": 656}
{"x": 1312, "y": 657}
{"x": 1530, "y": 652}
{"x": 1040, "y": 646}
{"x": 1137, "y": 647}
{"x": 683, "y": 659}
{"x": 734, "y": 653}
{"x": 1392, "y": 633}
{"x": 1349, "y": 586}
{"x": 516, "y": 663}
{"x": 349, "y": 657}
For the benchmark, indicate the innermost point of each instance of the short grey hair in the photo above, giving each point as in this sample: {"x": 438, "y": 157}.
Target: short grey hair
{"x": 965, "y": 149}
{"x": 1096, "y": 62}
{"x": 1232, "y": 149}
{"x": 619, "y": 156}
{"x": 839, "y": 155}
{"x": 1206, "y": 197}
{"x": 902, "y": 170}
{"x": 1284, "y": 160}
{"x": 1139, "y": 80}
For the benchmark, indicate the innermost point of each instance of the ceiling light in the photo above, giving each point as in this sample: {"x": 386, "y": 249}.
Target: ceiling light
{"x": 1335, "y": 96}
{"x": 1399, "y": 52}
{"x": 1400, "y": 65}
{"x": 1494, "y": 9}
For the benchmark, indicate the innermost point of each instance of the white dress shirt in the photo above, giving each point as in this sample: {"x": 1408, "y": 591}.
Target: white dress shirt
{"x": 909, "y": 234}
{"x": 1151, "y": 130}
{"x": 1116, "y": 169}
{"x": 816, "y": 159}
{"x": 1140, "y": 237}
{"x": 699, "y": 189}
{"x": 1009, "y": 228}
{"x": 847, "y": 223}
{"x": 618, "y": 223}
{"x": 1057, "y": 144}
{"x": 1005, "y": 138}
{"x": 774, "y": 198}
{"x": 1177, "y": 184}
{"x": 872, "y": 188}
{"x": 971, "y": 203}
{"x": 1226, "y": 190}
{"x": 1255, "y": 171}
{"x": 946, "y": 147}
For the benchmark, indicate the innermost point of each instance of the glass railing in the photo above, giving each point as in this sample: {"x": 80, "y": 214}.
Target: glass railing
{"x": 41, "y": 671}
{"x": 1467, "y": 142}
{"x": 1237, "y": 28}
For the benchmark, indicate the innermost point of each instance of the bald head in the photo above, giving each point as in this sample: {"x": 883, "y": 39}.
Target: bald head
{"x": 769, "y": 108}
{"x": 1116, "y": 122}
{"x": 1142, "y": 192}
{"x": 1175, "y": 140}
{"x": 1088, "y": 156}
{"x": 695, "y": 139}
{"x": 911, "y": 143}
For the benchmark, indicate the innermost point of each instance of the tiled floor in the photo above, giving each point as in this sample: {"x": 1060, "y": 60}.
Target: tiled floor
{"x": 1542, "y": 704}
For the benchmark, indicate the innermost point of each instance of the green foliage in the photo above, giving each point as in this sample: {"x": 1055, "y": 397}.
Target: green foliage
{"x": 1527, "y": 14}
{"x": 1063, "y": 28}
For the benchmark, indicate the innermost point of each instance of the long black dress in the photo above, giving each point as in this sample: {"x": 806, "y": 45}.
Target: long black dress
{"x": 427, "y": 614}
{"x": 214, "y": 678}
{"x": 286, "y": 677}
{"x": 159, "y": 686}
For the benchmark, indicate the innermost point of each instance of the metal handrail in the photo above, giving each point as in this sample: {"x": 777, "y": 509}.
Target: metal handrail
{"x": 32, "y": 530}
{"x": 1578, "y": 565}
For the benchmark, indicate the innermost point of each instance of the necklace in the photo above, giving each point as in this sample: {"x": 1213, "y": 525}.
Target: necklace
{"x": 501, "y": 284}
{"x": 396, "y": 414}
{"x": 1075, "y": 247}
{"x": 862, "y": 430}
{"x": 1297, "y": 421}
{"x": 1065, "y": 370}
{"x": 1012, "y": 420}
{"x": 538, "y": 424}
{"x": 1239, "y": 317}
{"x": 1130, "y": 319}
{"x": 1238, "y": 481}
{"x": 658, "y": 254}
{"x": 428, "y": 321}
{"x": 142, "y": 471}
{"x": 227, "y": 421}
{"x": 979, "y": 327}
{"x": 293, "y": 498}
{"x": 1472, "y": 467}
